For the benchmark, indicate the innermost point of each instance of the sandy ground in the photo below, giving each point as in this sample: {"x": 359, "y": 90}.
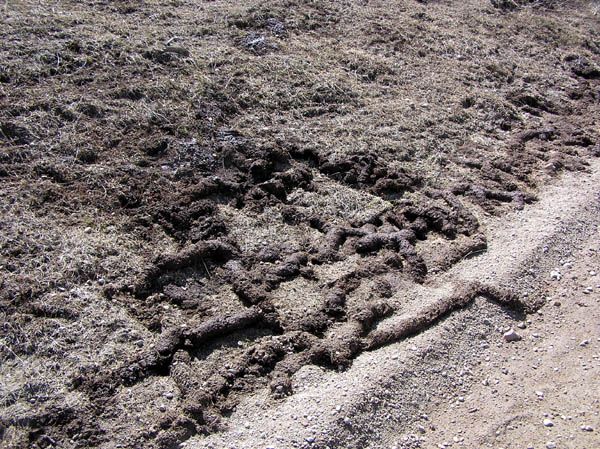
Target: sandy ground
{"x": 542, "y": 390}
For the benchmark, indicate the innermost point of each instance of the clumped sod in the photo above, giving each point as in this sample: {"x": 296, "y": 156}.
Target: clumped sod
{"x": 198, "y": 198}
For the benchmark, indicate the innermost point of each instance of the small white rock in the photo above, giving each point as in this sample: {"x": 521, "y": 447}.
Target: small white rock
{"x": 584, "y": 343}
{"x": 587, "y": 428}
{"x": 511, "y": 336}
{"x": 548, "y": 423}
{"x": 550, "y": 445}
{"x": 555, "y": 275}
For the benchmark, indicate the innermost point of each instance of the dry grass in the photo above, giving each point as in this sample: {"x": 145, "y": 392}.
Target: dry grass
{"x": 111, "y": 112}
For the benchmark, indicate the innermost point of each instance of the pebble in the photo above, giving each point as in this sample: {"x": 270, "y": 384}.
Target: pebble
{"x": 588, "y": 290}
{"x": 169, "y": 395}
{"x": 511, "y": 336}
{"x": 539, "y": 394}
{"x": 548, "y": 423}
{"x": 587, "y": 428}
{"x": 162, "y": 408}
{"x": 550, "y": 445}
{"x": 584, "y": 343}
{"x": 555, "y": 275}
{"x": 593, "y": 273}
{"x": 521, "y": 325}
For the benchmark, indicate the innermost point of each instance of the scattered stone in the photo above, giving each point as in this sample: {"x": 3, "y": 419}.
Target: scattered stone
{"x": 557, "y": 303}
{"x": 511, "y": 336}
{"x": 550, "y": 445}
{"x": 587, "y": 428}
{"x": 169, "y": 395}
{"x": 310, "y": 440}
{"x": 593, "y": 273}
{"x": 162, "y": 408}
{"x": 421, "y": 429}
{"x": 555, "y": 275}
{"x": 588, "y": 290}
{"x": 584, "y": 343}
{"x": 548, "y": 423}
{"x": 521, "y": 325}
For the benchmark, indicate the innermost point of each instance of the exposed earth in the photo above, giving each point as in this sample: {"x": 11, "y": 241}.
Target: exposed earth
{"x": 300, "y": 223}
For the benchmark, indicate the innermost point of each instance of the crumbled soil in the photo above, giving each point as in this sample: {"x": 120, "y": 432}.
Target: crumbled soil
{"x": 200, "y": 200}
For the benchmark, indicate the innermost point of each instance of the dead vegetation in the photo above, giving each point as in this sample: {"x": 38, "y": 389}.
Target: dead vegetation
{"x": 204, "y": 197}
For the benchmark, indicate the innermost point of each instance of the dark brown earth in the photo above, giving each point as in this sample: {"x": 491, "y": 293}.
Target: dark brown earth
{"x": 201, "y": 193}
